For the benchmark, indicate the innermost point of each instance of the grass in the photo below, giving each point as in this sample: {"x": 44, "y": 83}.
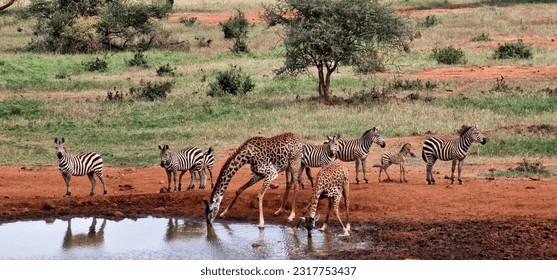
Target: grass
{"x": 526, "y": 168}
{"x": 130, "y": 132}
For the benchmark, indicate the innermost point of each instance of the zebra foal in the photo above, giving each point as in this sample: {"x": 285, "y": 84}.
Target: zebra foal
{"x": 189, "y": 159}
{"x": 358, "y": 149}
{"x": 389, "y": 158}
{"x": 455, "y": 149}
{"x": 86, "y": 163}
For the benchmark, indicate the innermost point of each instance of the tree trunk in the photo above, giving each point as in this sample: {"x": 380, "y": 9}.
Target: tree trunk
{"x": 321, "y": 85}
{"x": 7, "y": 5}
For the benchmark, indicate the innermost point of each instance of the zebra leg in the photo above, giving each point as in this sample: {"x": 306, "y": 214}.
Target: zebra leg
{"x": 452, "y": 171}
{"x": 429, "y": 172}
{"x": 174, "y": 173}
{"x": 191, "y": 184}
{"x": 460, "y": 164}
{"x": 364, "y": 160}
{"x": 385, "y": 169}
{"x": 101, "y": 177}
{"x": 357, "y": 168}
{"x": 169, "y": 176}
{"x": 93, "y": 182}
{"x": 67, "y": 179}
{"x": 308, "y": 173}
{"x": 403, "y": 173}
{"x": 203, "y": 178}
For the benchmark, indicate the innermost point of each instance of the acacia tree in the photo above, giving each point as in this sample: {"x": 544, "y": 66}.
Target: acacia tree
{"x": 328, "y": 33}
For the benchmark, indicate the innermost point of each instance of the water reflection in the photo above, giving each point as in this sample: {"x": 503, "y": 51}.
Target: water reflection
{"x": 92, "y": 238}
{"x": 157, "y": 238}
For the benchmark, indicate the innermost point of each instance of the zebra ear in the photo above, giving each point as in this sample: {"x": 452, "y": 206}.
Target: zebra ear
{"x": 62, "y": 141}
{"x": 56, "y": 140}
{"x": 160, "y": 147}
{"x": 166, "y": 147}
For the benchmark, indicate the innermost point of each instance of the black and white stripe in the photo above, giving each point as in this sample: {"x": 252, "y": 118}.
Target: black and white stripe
{"x": 86, "y": 163}
{"x": 208, "y": 163}
{"x": 358, "y": 149}
{"x": 318, "y": 156}
{"x": 189, "y": 159}
{"x": 388, "y": 158}
{"x": 455, "y": 149}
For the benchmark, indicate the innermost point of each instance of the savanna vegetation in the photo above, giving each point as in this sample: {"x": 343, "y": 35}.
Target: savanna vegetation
{"x": 87, "y": 94}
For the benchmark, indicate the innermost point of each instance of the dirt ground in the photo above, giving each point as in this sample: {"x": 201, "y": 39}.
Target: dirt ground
{"x": 499, "y": 218}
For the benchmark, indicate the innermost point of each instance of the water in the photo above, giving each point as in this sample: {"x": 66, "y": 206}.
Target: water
{"x": 157, "y": 239}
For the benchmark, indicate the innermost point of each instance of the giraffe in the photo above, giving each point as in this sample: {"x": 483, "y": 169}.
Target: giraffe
{"x": 267, "y": 157}
{"x": 332, "y": 182}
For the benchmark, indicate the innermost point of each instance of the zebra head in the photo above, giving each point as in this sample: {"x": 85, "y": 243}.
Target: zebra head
{"x": 376, "y": 138}
{"x": 332, "y": 145}
{"x": 166, "y": 155}
{"x": 476, "y": 135}
{"x": 60, "y": 149}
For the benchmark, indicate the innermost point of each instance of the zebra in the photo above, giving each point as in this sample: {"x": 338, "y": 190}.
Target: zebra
{"x": 455, "y": 149}
{"x": 86, "y": 163}
{"x": 208, "y": 163}
{"x": 399, "y": 158}
{"x": 358, "y": 149}
{"x": 318, "y": 156}
{"x": 189, "y": 159}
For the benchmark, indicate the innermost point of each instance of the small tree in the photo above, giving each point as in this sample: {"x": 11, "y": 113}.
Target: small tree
{"x": 236, "y": 28}
{"x": 328, "y": 33}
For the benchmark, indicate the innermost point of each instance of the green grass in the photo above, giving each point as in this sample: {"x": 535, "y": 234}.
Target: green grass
{"x": 539, "y": 147}
{"x": 509, "y": 104}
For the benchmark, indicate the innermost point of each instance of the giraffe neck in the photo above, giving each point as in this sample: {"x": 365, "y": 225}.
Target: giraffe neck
{"x": 229, "y": 169}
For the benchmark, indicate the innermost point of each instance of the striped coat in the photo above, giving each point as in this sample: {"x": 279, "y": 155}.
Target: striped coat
{"x": 358, "y": 149}
{"x": 189, "y": 159}
{"x": 86, "y": 163}
{"x": 318, "y": 156}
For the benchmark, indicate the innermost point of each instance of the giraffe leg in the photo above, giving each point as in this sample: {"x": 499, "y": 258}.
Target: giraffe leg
{"x": 211, "y": 176}
{"x": 256, "y": 178}
{"x": 344, "y": 229}
{"x": 345, "y": 194}
{"x": 266, "y": 183}
{"x": 93, "y": 183}
{"x": 326, "y": 222}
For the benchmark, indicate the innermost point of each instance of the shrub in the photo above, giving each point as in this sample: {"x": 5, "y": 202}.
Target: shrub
{"x": 236, "y": 28}
{"x": 139, "y": 60}
{"x": 96, "y": 64}
{"x": 231, "y": 82}
{"x": 449, "y": 55}
{"x": 369, "y": 61}
{"x": 151, "y": 91}
{"x": 62, "y": 75}
{"x": 115, "y": 96}
{"x": 482, "y": 37}
{"x": 411, "y": 85}
{"x": 373, "y": 95}
{"x": 513, "y": 50}
{"x": 188, "y": 21}
{"x": 166, "y": 70}
{"x": 202, "y": 42}
{"x": 430, "y": 21}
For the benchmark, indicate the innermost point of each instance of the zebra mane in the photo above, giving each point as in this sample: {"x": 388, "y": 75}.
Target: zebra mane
{"x": 373, "y": 128}
{"x": 403, "y": 146}
{"x": 464, "y": 130}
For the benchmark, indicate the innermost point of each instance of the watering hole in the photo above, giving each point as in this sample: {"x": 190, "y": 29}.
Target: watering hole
{"x": 159, "y": 239}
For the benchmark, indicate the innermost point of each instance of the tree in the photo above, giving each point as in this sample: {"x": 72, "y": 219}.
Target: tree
{"x": 328, "y": 33}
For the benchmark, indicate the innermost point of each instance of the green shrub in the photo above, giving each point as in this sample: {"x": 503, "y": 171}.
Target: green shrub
{"x": 513, "y": 50}
{"x": 236, "y": 28}
{"x": 411, "y": 85}
{"x": 188, "y": 21}
{"x": 151, "y": 91}
{"x": 138, "y": 60}
{"x": 373, "y": 95}
{"x": 166, "y": 70}
{"x": 430, "y": 21}
{"x": 369, "y": 61}
{"x": 96, "y": 64}
{"x": 231, "y": 82}
{"x": 482, "y": 37}
{"x": 62, "y": 75}
{"x": 449, "y": 55}
{"x": 115, "y": 96}
{"x": 202, "y": 42}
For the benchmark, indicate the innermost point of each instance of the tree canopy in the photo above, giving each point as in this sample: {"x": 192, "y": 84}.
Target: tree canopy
{"x": 328, "y": 33}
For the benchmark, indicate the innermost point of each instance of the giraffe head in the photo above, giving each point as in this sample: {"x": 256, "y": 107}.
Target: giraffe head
{"x": 60, "y": 149}
{"x": 212, "y": 209}
{"x": 376, "y": 138}
{"x": 309, "y": 223}
{"x": 165, "y": 155}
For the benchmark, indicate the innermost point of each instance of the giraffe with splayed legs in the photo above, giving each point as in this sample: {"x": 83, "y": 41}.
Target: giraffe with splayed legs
{"x": 332, "y": 182}
{"x": 267, "y": 157}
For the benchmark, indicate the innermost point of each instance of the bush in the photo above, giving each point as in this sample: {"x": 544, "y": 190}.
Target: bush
{"x": 151, "y": 91}
{"x": 139, "y": 60}
{"x": 202, "y": 42}
{"x": 449, "y": 55}
{"x": 62, "y": 75}
{"x": 96, "y": 64}
{"x": 373, "y": 95}
{"x": 481, "y": 37}
{"x": 430, "y": 21}
{"x": 231, "y": 82}
{"x": 369, "y": 61}
{"x": 236, "y": 28}
{"x": 115, "y": 96}
{"x": 513, "y": 50}
{"x": 166, "y": 70}
{"x": 188, "y": 21}
{"x": 411, "y": 85}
